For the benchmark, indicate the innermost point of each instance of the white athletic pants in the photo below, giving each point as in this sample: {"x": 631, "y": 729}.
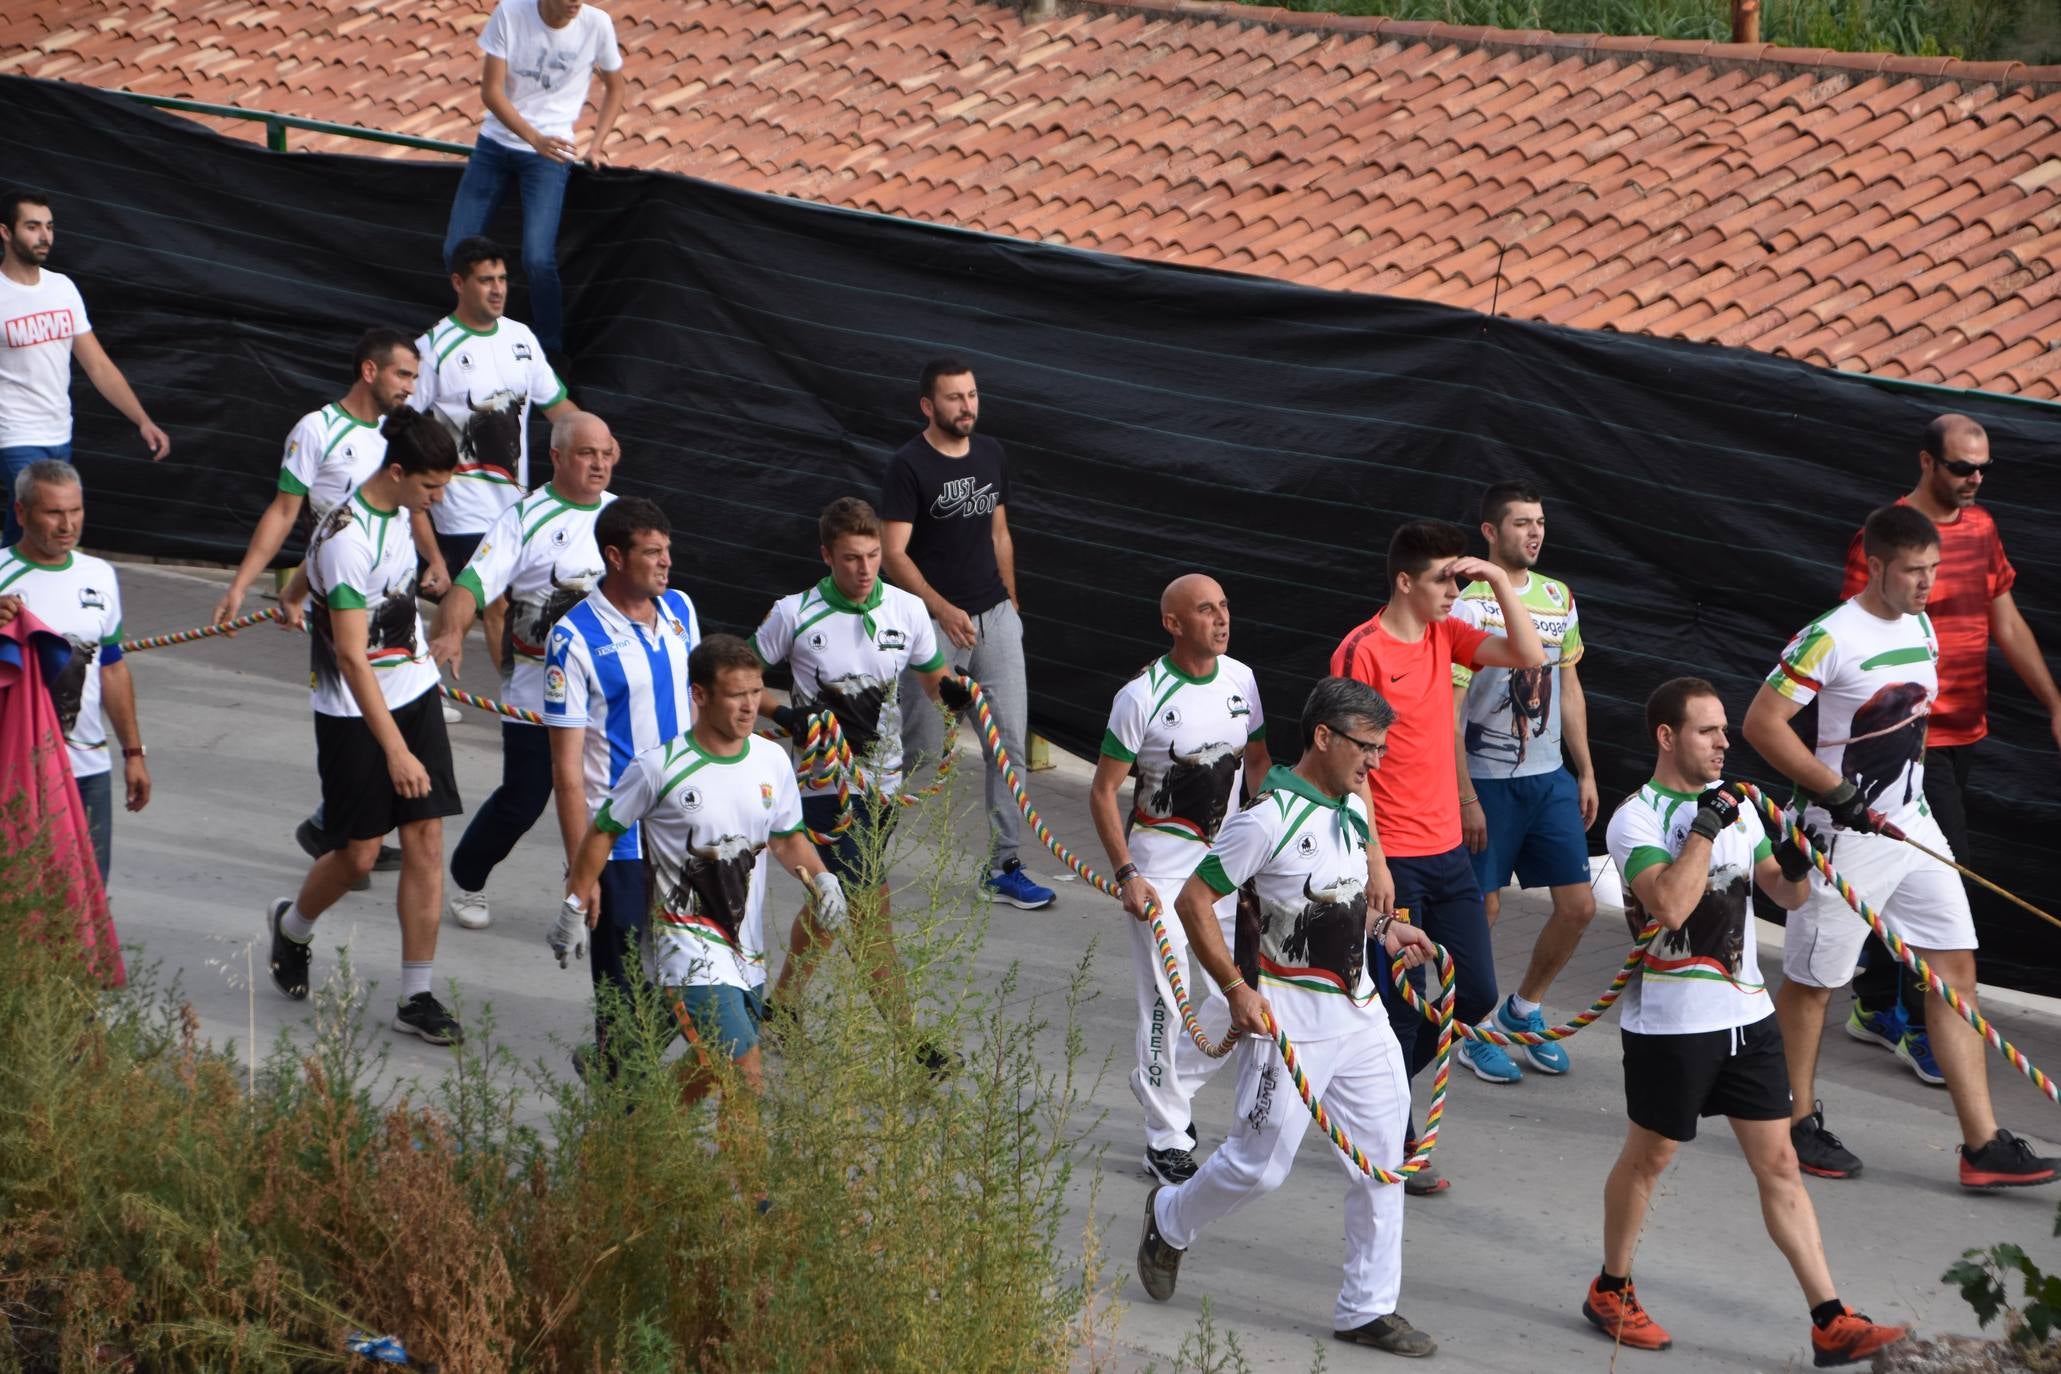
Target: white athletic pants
{"x": 1361, "y": 1081}
{"x": 1170, "y": 1067}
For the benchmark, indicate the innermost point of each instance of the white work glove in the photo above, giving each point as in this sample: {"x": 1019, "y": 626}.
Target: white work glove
{"x": 568, "y": 937}
{"x": 828, "y": 893}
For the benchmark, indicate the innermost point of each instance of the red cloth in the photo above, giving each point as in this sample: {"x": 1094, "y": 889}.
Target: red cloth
{"x": 39, "y": 798}
{"x": 1973, "y": 572}
{"x": 1416, "y": 789}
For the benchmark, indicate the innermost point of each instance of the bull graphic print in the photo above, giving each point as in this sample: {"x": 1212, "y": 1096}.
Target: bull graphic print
{"x": 492, "y": 436}
{"x": 1326, "y": 930}
{"x": 859, "y": 702}
{"x": 391, "y": 626}
{"x": 715, "y": 883}
{"x": 1196, "y": 787}
{"x": 1886, "y": 738}
{"x": 1715, "y": 930}
{"x": 1527, "y": 704}
{"x": 69, "y": 690}
{"x": 529, "y": 623}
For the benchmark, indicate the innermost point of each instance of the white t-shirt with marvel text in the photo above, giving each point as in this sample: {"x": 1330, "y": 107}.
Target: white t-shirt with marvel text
{"x": 37, "y": 326}
{"x": 363, "y": 559}
{"x": 481, "y": 384}
{"x": 549, "y": 69}
{"x": 1185, "y": 740}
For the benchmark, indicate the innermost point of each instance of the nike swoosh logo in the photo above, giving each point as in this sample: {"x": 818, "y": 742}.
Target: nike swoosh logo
{"x": 1397, "y": 677}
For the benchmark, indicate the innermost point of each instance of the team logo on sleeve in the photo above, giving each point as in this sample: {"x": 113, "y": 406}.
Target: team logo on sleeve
{"x": 1237, "y": 705}
{"x": 561, "y": 640}
{"x": 554, "y": 685}
{"x": 92, "y": 600}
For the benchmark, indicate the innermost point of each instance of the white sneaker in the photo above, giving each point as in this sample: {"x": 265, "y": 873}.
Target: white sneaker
{"x": 469, "y": 909}
{"x": 452, "y": 715}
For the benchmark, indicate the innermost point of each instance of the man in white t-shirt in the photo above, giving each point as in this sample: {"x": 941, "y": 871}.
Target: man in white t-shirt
{"x": 541, "y": 56}
{"x": 43, "y": 326}
{"x": 1872, "y": 667}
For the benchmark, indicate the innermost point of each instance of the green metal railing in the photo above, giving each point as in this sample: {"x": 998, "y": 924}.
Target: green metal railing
{"x": 276, "y": 125}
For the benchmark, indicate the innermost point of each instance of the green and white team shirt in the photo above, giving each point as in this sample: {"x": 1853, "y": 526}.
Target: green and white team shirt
{"x": 1704, "y": 975}
{"x": 541, "y": 552}
{"x": 1874, "y": 681}
{"x": 705, "y": 820}
{"x": 1185, "y": 739}
{"x": 481, "y": 384}
{"x": 848, "y": 659}
{"x": 328, "y": 454}
{"x": 79, "y": 599}
{"x": 1512, "y": 715}
{"x": 1298, "y": 861}
{"x": 362, "y": 558}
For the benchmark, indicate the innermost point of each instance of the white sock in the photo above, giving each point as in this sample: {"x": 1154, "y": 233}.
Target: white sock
{"x": 295, "y": 926}
{"x": 1522, "y": 1007}
{"x": 415, "y": 978}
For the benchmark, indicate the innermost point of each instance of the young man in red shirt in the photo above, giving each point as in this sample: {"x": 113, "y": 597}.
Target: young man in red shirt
{"x": 1406, "y": 652}
{"x": 1971, "y": 605}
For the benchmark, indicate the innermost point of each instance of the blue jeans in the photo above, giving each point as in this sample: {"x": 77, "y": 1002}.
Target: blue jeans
{"x": 508, "y": 814}
{"x": 97, "y": 793}
{"x": 487, "y": 174}
{"x": 15, "y": 461}
{"x": 1445, "y": 903}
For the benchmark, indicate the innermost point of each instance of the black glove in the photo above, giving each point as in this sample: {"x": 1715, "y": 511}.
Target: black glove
{"x": 1848, "y": 808}
{"x": 787, "y": 719}
{"x": 1796, "y": 865}
{"x": 1716, "y": 810}
{"x": 952, "y": 692}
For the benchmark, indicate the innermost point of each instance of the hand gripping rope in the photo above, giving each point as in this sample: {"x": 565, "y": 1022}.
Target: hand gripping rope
{"x": 1439, "y": 1012}
{"x": 1791, "y": 827}
{"x": 824, "y": 760}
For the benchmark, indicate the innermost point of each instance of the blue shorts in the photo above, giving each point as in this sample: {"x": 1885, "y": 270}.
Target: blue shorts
{"x": 725, "y": 1018}
{"x": 819, "y": 813}
{"x": 1534, "y": 830}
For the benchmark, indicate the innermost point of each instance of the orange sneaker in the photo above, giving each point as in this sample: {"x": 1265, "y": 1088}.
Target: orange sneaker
{"x": 1850, "y": 1339}
{"x": 1619, "y": 1316}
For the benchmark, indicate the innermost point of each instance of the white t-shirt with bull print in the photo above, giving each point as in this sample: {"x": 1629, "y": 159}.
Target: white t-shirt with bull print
{"x": 481, "y": 384}
{"x": 1185, "y": 739}
{"x": 541, "y": 552}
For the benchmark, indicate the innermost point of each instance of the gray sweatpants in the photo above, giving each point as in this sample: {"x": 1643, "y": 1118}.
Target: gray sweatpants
{"x": 996, "y": 662}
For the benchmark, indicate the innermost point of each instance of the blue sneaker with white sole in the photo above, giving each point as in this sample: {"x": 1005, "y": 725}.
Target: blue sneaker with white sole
{"x": 1884, "y": 1028}
{"x": 1489, "y": 1062}
{"x": 1014, "y": 886}
{"x": 1548, "y": 1056}
{"x": 1915, "y": 1049}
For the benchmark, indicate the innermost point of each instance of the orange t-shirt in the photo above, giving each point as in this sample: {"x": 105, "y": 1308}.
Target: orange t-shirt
{"x": 1973, "y": 572}
{"x": 1416, "y": 789}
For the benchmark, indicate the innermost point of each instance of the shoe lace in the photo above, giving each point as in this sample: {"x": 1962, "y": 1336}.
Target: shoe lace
{"x": 1826, "y": 1137}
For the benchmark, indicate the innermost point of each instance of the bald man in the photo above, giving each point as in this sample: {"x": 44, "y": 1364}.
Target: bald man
{"x": 1185, "y": 727}
{"x": 541, "y": 553}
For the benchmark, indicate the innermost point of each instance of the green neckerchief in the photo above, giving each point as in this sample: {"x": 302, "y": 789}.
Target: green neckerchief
{"x": 838, "y": 601}
{"x": 1281, "y": 779}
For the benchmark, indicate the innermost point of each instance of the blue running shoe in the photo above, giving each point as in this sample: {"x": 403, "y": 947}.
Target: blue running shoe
{"x": 1489, "y": 1062}
{"x": 1014, "y": 886}
{"x": 1915, "y": 1049}
{"x": 1547, "y": 1057}
{"x": 1884, "y": 1028}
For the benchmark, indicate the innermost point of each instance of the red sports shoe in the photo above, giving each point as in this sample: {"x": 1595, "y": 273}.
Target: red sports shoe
{"x": 1619, "y": 1316}
{"x": 1850, "y": 1339}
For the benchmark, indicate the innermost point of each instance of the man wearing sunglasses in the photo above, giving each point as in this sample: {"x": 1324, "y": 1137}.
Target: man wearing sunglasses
{"x": 1971, "y": 604}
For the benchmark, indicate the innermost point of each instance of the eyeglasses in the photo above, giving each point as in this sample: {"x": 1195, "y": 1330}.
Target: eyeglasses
{"x": 1371, "y": 750}
{"x": 1961, "y": 467}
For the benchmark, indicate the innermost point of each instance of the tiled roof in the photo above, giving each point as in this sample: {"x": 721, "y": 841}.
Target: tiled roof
{"x": 1900, "y": 216}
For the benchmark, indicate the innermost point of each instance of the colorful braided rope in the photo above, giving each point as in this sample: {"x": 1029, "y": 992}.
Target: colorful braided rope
{"x": 227, "y": 627}
{"x": 1561, "y": 1032}
{"x": 499, "y": 708}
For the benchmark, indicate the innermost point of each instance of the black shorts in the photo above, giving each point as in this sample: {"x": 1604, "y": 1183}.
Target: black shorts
{"x": 358, "y": 797}
{"x": 819, "y": 813}
{"x": 1670, "y": 1080}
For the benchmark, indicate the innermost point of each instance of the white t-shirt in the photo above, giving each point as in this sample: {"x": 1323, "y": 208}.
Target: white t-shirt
{"x": 1298, "y": 861}
{"x": 1185, "y": 738}
{"x": 37, "y": 326}
{"x": 363, "y": 558}
{"x": 706, "y": 820}
{"x": 1704, "y": 975}
{"x": 79, "y": 599}
{"x": 1874, "y": 681}
{"x": 548, "y": 69}
{"x": 482, "y": 385}
{"x": 541, "y": 552}
{"x": 328, "y": 454}
{"x": 849, "y": 659}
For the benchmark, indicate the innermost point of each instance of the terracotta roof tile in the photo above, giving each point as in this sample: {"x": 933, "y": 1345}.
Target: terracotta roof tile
{"x": 1863, "y": 211}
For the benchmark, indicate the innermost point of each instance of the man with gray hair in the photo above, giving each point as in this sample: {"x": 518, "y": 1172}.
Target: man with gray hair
{"x": 541, "y": 553}
{"x": 76, "y": 595}
{"x": 1299, "y": 859}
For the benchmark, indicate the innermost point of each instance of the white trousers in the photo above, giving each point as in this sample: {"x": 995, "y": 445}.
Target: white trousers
{"x": 1170, "y": 1067}
{"x": 1361, "y": 1081}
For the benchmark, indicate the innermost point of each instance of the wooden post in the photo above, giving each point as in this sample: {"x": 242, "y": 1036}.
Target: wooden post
{"x": 1746, "y": 21}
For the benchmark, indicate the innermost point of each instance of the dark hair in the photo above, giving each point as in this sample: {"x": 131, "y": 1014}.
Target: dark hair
{"x": 1418, "y": 544}
{"x": 1938, "y": 434}
{"x": 1335, "y": 701}
{"x": 471, "y": 252}
{"x": 377, "y": 346}
{"x": 13, "y": 198}
{"x": 846, "y": 515}
{"x": 622, "y": 520}
{"x": 1497, "y": 500}
{"x": 941, "y": 367}
{"x": 1892, "y": 529}
{"x": 418, "y": 442}
{"x": 716, "y": 653}
{"x": 1669, "y": 704}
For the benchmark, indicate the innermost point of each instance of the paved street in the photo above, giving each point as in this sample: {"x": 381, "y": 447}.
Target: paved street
{"x": 1495, "y": 1268}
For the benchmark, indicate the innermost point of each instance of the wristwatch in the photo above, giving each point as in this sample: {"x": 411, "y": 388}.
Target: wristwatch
{"x": 138, "y": 752}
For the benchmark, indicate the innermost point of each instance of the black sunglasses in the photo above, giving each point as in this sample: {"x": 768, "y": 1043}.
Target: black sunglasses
{"x": 1961, "y": 467}
{"x": 1365, "y": 746}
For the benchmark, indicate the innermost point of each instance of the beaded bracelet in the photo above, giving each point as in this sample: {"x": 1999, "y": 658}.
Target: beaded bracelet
{"x": 1126, "y": 873}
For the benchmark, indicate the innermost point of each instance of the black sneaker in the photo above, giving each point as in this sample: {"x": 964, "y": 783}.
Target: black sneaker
{"x": 308, "y": 836}
{"x": 1159, "y": 1264}
{"x": 289, "y": 960}
{"x": 1820, "y": 1152}
{"x": 2006, "y": 1162}
{"x": 1426, "y": 1182}
{"x": 1394, "y": 1334}
{"x": 389, "y": 860}
{"x": 424, "y": 1016}
{"x": 1170, "y": 1166}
